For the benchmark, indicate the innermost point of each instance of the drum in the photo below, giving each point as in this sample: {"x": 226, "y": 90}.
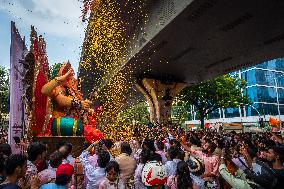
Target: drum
{"x": 66, "y": 126}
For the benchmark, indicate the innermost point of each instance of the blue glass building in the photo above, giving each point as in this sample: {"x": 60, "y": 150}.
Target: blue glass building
{"x": 265, "y": 88}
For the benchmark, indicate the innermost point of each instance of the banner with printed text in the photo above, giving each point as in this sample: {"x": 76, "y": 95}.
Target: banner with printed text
{"x": 17, "y": 118}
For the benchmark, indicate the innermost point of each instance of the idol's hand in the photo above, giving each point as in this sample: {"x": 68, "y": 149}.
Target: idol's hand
{"x": 91, "y": 111}
{"x": 85, "y": 104}
{"x": 69, "y": 73}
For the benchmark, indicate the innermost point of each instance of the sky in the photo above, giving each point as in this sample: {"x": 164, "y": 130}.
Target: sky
{"x": 58, "y": 21}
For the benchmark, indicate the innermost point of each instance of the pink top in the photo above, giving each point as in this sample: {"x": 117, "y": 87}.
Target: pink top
{"x": 211, "y": 163}
{"x": 47, "y": 175}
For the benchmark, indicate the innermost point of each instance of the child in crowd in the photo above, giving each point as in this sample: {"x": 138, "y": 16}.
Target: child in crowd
{"x": 113, "y": 179}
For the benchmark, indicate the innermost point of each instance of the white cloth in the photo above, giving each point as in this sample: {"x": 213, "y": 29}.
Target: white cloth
{"x": 170, "y": 136}
{"x": 171, "y": 166}
{"x": 94, "y": 175}
{"x": 71, "y": 160}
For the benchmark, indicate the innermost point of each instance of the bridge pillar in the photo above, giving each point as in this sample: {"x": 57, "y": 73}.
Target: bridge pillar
{"x": 160, "y": 96}
{"x": 148, "y": 97}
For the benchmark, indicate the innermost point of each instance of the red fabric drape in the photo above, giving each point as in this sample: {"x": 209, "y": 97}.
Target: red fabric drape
{"x": 40, "y": 103}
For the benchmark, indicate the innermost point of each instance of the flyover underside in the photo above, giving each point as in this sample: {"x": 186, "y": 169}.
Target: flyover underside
{"x": 208, "y": 38}
{"x": 202, "y": 43}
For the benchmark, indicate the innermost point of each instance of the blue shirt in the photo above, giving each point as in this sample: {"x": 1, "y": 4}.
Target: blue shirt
{"x": 52, "y": 186}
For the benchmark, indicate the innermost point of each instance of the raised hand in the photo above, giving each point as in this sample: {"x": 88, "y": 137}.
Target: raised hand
{"x": 69, "y": 73}
{"x": 85, "y": 104}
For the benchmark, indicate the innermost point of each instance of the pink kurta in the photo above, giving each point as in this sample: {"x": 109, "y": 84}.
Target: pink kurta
{"x": 211, "y": 163}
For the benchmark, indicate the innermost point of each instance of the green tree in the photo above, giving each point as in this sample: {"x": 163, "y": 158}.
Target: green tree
{"x": 138, "y": 114}
{"x": 53, "y": 70}
{"x": 4, "y": 90}
{"x": 180, "y": 111}
{"x": 221, "y": 92}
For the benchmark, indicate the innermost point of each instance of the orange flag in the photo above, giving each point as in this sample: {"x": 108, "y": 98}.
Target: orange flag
{"x": 274, "y": 121}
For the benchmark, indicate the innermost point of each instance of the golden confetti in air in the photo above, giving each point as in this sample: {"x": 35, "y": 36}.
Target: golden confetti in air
{"x": 105, "y": 51}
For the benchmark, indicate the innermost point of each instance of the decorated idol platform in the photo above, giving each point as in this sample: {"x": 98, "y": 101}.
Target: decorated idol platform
{"x": 46, "y": 105}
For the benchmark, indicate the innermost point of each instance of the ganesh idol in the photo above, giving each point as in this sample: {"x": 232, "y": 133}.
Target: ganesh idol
{"x": 71, "y": 115}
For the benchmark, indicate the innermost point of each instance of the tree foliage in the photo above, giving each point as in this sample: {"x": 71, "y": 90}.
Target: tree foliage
{"x": 53, "y": 70}
{"x": 138, "y": 114}
{"x": 180, "y": 112}
{"x": 221, "y": 92}
{"x": 4, "y": 90}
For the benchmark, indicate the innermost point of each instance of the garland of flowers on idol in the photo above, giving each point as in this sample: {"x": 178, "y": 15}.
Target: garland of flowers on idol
{"x": 75, "y": 92}
{"x": 76, "y": 101}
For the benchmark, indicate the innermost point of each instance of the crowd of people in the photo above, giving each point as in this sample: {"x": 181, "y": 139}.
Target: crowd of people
{"x": 171, "y": 159}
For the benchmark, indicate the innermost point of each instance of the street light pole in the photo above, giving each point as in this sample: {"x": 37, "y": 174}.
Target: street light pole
{"x": 255, "y": 110}
{"x": 277, "y": 98}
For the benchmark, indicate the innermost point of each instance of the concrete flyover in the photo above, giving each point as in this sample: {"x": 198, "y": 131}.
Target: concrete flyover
{"x": 190, "y": 41}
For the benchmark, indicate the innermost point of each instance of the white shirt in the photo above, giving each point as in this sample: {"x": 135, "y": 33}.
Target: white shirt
{"x": 71, "y": 160}
{"x": 170, "y": 136}
{"x": 171, "y": 166}
{"x": 138, "y": 177}
{"x": 94, "y": 175}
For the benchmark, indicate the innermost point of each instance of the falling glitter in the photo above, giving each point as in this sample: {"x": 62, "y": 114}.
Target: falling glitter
{"x": 109, "y": 35}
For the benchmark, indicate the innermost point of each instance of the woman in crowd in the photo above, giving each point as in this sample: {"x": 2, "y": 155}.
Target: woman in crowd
{"x": 181, "y": 179}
